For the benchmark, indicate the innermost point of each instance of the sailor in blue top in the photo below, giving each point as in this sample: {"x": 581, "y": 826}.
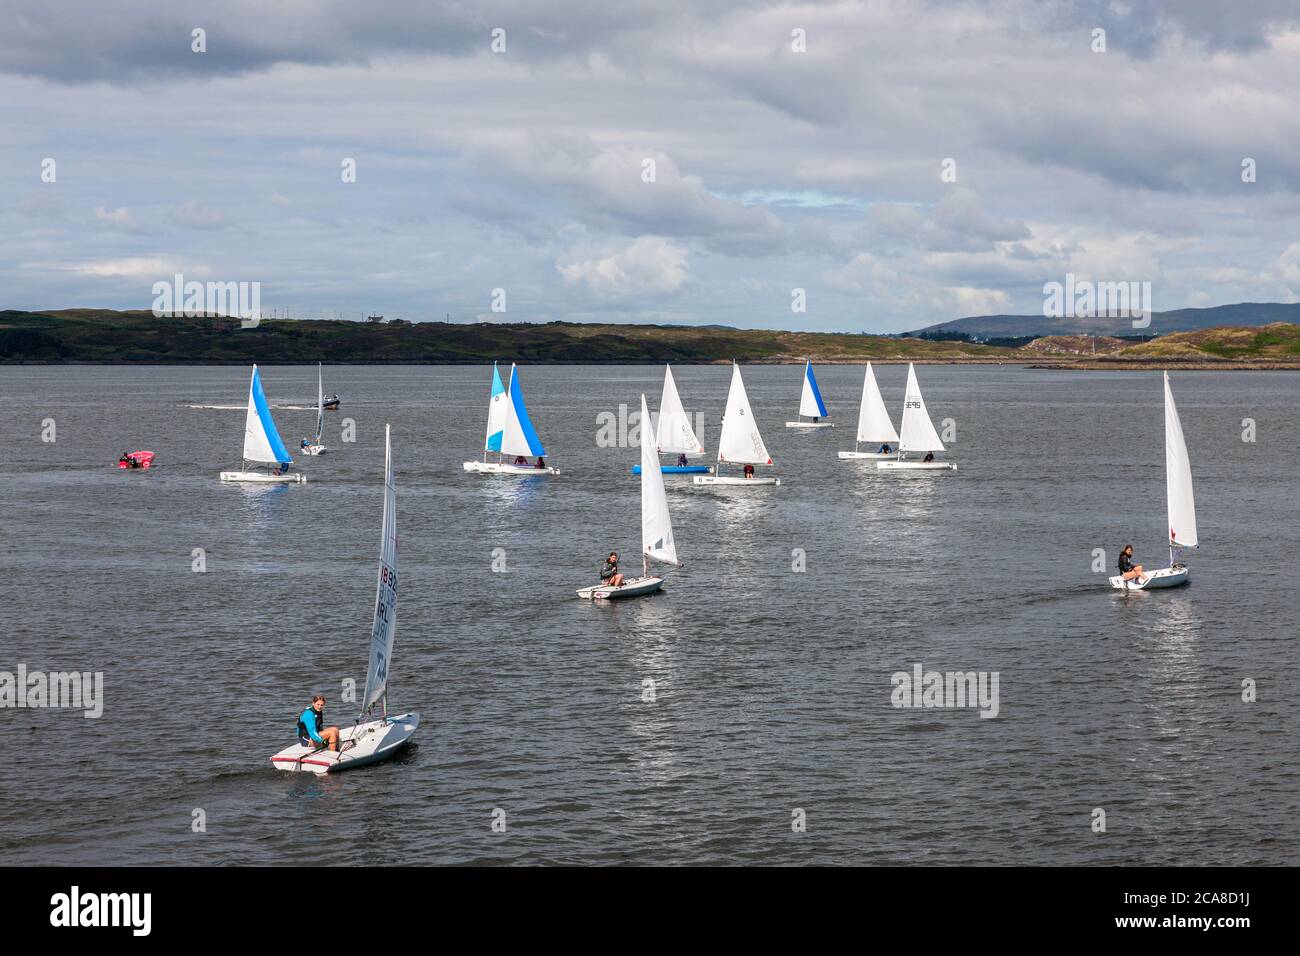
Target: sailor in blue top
{"x": 309, "y": 726}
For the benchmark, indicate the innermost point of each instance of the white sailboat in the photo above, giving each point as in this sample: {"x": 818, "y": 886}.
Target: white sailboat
{"x": 371, "y": 738}
{"x": 917, "y": 433}
{"x": 510, "y": 433}
{"x": 874, "y": 425}
{"x": 674, "y": 434}
{"x": 740, "y": 442}
{"x": 1181, "y": 505}
{"x": 656, "y": 526}
{"x": 810, "y": 402}
{"x": 313, "y": 446}
{"x": 262, "y": 444}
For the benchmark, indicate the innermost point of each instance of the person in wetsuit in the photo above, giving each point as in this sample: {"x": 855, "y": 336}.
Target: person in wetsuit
{"x": 929, "y": 456}
{"x": 609, "y": 574}
{"x": 749, "y": 471}
{"x": 541, "y": 462}
{"x": 681, "y": 460}
{"x": 310, "y": 723}
{"x": 884, "y": 450}
{"x": 1127, "y": 569}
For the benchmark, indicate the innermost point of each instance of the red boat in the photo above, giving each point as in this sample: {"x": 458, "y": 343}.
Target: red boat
{"x": 136, "y": 459}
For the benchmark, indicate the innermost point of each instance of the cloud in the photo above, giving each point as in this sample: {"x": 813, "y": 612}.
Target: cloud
{"x": 195, "y": 215}
{"x": 649, "y": 266}
{"x": 120, "y": 219}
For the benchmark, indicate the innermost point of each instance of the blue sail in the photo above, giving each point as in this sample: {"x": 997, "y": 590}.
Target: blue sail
{"x": 816, "y": 392}
{"x": 521, "y": 415}
{"x": 268, "y": 424}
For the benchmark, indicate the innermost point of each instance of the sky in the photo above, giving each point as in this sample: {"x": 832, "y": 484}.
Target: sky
{"x": 666, "y": 161}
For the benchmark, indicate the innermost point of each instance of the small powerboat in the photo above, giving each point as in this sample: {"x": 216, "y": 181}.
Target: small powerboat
{"x": 332, "y": 403}
{"x": 136, "y": 459}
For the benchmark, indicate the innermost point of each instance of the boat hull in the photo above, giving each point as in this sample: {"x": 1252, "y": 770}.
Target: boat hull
{"x": 635, "y": 587}
{"x": 362, "y": 744}
{"x": 497, "y": 468}
{"x": 729, "y": 480}
{"x": 314, "y": 449}
{"x": 264, "y": 478}
{"x": 916, "y": 466}
{"x": 809, "y": 424}
{"x": 679, "y": 469}
{"x": 853, "y": 455}
{"x": 1170, "y": 577}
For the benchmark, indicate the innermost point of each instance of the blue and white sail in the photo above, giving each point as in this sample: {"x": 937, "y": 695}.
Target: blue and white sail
{"x": 496, "y": 412}
{"x": 811, "y": 403}
{"x": 518, "y": 435}
{"x": 385, "y": 625}
{"x": 261, "y": 440}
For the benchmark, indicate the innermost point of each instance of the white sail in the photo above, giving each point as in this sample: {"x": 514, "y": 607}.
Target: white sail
{"x": 873, "y": 417}
{"x": 497, "y": 401}
{"x": 810, "y": 402}
{"x": 385, "y": 625}
{"x": 261, "y": 440}
{"x": 320, "y": 404}
{"x": 675, "y": 435}
{"x": 656, "y": 526}
{"x": 740, "y": 442}
{"x": 917, "y": 433}
{"x": 1178, "y": 478}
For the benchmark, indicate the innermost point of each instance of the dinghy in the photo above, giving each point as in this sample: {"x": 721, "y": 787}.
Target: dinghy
{"x": 740, "y": 442}
{"x": 136, "y": 459}
{"x": 674, "y": 434}
{"x": 918, "y": 433}
{"x": 370, "y": 739}
{"x": 509, "y": 432}
{"x": 312, "y": 446}
{"x": 810, "y": 402}
{"x": 1181, "y": 506}
{"x": 262, "y": 444}
{"x": 874, "y": 426}
{"x": 656, "y": 527}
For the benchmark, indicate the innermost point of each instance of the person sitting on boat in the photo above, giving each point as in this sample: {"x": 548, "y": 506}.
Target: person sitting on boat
{"x": 681, "y": 460}
{"x": 128, "y": 460}
{"x": 749, "y": 471}
{"x": 1128, "y": 571}
{"x": 305, "y": 443}
{"x": 541, "y": 462}
{"x": 609, "y": 574}
{"x": 281, "y": 469}
{"x": 310, "y": 730}
{"x": 929, "y": 456}
{"x": 520, "y": 460}
{"x": 885, "y": 449}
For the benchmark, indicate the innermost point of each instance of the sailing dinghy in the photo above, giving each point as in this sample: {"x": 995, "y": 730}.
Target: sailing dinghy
{"x": 656, "y": 527}
{"x": 740, "y": 442}
{"x": 874, "y": 425}
{"x": 674, "y": 434}
{"x": 1181, "y": 505}
{"x": 312, "y": 446}
{"x": 810, "y": 402}
{"x": 510, "y": 433}
{"x": 918, "y": 433}
{"x": 262, "y": 444}
{"x": 371, "y": 738}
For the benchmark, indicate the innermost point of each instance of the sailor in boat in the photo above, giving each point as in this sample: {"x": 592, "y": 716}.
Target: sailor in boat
{"x": 281, "y": 469}
{"x": 128, "y": 461}
{"x": 541, "y": 462}
{"x": 520, "y": 460}
{"x": 609, "y": 574}
{"x": 749, "y": 471}
{"x": 884, "y": 449}
{"x": 929, "y": 456}
{"x": 304, "y": 443}
{"x": 1127, "y": 569}
{"x": 310, "y": 731}
{"x": 681, "y": 460}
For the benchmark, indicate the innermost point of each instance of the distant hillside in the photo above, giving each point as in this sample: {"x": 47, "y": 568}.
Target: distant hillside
{"x": 103, "y": 336}
{"x": 1162, "y": 323}
{"x": 1273, "y": 346}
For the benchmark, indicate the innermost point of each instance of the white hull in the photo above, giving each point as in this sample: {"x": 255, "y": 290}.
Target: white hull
{"x": 1163, "y": 578}
{"x": 849, "y": 455}
{"x": 916, "y": 465}
{"x": 361, "y": 744}
{"x": 264, "y": 477}
{"x": 495, "y": 468}
{"x": 809, "y": 424}
{"x": 634, "y": 587}
{"x": 314, "y": 449}
{"x": 729, "y": 480}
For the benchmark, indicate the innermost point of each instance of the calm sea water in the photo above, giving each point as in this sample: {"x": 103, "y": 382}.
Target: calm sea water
{"x": 771, "y": 687}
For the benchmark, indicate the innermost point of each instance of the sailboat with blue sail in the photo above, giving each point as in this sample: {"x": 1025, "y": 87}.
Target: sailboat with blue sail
{"x": 510, "y": 433}
{"x": 811, "y": 404}
{"x": 262, "y": 443}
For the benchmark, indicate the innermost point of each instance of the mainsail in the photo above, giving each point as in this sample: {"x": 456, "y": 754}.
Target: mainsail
{"x": 1178, "y": 478}
{"x": 810, "y": 403}
{"x": 675, "y": 435}
{"x": 740, "y": 441}
{"x": 917, "y": 433}
{"x": 656, "y": 526}
{"x": 320, "y": 404}
{"x": 496, "y": 412}
{"x": 873, "y": 417}
{"x": 518, "y": 436}
{"x": 381, "y": 635}
{"x": 261, "y": 441}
